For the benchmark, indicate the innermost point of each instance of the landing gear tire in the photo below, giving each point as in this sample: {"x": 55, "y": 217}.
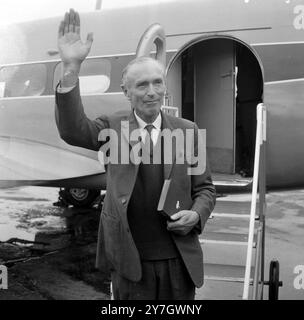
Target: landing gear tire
{"x": 79, "y": 198}
{"x": 274, "y": 280}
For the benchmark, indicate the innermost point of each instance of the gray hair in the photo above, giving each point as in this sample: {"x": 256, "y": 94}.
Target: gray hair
{"x": 139, "y": 60}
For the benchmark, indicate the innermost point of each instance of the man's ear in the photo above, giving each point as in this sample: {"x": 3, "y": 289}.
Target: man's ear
{"x": 125, "y": 90}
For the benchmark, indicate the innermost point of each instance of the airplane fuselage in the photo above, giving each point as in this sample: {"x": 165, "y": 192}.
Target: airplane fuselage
{"x": 272, "y": 31}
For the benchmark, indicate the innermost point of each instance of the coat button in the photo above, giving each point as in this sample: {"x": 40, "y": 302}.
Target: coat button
{"x": 123, "y": 200}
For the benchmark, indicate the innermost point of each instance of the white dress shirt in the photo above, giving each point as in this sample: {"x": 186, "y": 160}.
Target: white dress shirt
{"x": 155, "y": 131}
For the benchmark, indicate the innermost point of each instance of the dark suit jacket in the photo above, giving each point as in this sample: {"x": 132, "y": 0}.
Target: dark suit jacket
{"x": 115, "y": 242}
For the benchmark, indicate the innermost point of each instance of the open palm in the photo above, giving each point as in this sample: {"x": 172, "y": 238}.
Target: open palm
{"x": 72, "y": 49}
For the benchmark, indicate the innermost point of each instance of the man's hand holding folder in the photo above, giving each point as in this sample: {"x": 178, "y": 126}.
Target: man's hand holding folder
{"x": 184, "y": 221}
{"x": 174, "y": 203}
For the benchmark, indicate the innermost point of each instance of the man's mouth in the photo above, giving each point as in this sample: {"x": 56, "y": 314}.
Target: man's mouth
{"x": 151, "y": 102}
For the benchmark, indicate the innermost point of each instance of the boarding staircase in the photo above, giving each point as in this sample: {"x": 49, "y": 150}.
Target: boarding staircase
{"x": 233, "y": 240}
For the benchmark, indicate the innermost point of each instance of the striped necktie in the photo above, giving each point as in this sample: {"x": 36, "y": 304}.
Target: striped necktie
{"x": 148, "y": 139}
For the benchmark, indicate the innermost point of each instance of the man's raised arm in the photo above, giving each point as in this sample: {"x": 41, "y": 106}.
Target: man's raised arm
{"x": 73, "y": 125}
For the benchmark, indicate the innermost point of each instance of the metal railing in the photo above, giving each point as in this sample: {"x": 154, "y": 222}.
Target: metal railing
{"x": 258, "y": 194}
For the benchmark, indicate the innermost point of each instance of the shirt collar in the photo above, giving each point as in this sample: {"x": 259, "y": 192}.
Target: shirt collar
{"x": 142, "y": 123}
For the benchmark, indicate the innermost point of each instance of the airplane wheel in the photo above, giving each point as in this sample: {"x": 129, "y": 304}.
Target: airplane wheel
{"x": 79, "y": 197}
{"x": 274, "y": 282}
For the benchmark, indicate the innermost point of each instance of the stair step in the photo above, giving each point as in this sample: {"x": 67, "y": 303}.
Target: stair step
{"x": 227, "y": 279}
{"x": 232, "y": 215}
{"x": 217, "y": 290}
{"x": 225, "y": 272}
{"x": 226, "y": 242}
{"x": 225, "y": 254}
{"x": 232, "y": 243}
{"x": 230, "y": 180}
{"x": 225, "y": 236}
{"x": 227, "y": 225}
{"x": 235, "y": 207}
{"x": 225, "y": 282}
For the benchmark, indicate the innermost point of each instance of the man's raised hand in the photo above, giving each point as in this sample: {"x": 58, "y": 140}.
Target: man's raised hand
{"x": 72, "y": 50}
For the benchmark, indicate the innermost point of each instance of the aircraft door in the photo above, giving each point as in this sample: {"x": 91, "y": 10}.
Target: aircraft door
{"x": 214, "y": 100}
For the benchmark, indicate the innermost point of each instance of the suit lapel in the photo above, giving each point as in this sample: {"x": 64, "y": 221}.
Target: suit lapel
{"x": 128, "y": 127}
{"x": 166, "y": 124}
{"x": 127, "y": 124}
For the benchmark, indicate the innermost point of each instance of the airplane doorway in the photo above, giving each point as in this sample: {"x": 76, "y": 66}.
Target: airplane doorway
{"x": 222, "y": 83}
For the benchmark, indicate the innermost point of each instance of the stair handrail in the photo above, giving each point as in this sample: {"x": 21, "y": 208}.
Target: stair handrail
{"x": 258, "y": 158}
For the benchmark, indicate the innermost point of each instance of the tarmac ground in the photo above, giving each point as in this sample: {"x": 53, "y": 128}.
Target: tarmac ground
{"x": 50, "y": 251}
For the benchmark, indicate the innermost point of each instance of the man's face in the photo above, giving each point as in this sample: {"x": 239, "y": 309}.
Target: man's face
{"x": 145, "y": 89}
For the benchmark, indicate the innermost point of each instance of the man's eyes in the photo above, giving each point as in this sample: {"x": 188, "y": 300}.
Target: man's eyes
{"x": 142, "y": 85}
{"x": 145, "y": 85}
{"x": 158, "y": 82}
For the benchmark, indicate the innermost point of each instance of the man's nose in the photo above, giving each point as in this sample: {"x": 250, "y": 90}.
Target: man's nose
{"x": 151, "y": 90}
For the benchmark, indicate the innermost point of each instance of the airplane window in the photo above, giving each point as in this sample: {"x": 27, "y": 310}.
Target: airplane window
{"x": 23, "y": 80}
{"x": 94, "y": 84}
{"x": 94, "y": 76}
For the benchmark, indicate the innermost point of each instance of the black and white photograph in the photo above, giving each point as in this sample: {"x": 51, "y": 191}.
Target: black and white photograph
{"x": 152, "y": 150}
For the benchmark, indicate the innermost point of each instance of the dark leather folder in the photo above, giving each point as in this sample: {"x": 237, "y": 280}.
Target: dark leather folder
{"x": 173, "y": 199}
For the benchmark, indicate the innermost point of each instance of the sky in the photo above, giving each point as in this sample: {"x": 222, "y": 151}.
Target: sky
{"x": 25, "y": 10}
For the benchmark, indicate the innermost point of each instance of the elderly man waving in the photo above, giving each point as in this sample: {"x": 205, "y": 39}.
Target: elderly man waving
{"x": 150, "y": 257}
